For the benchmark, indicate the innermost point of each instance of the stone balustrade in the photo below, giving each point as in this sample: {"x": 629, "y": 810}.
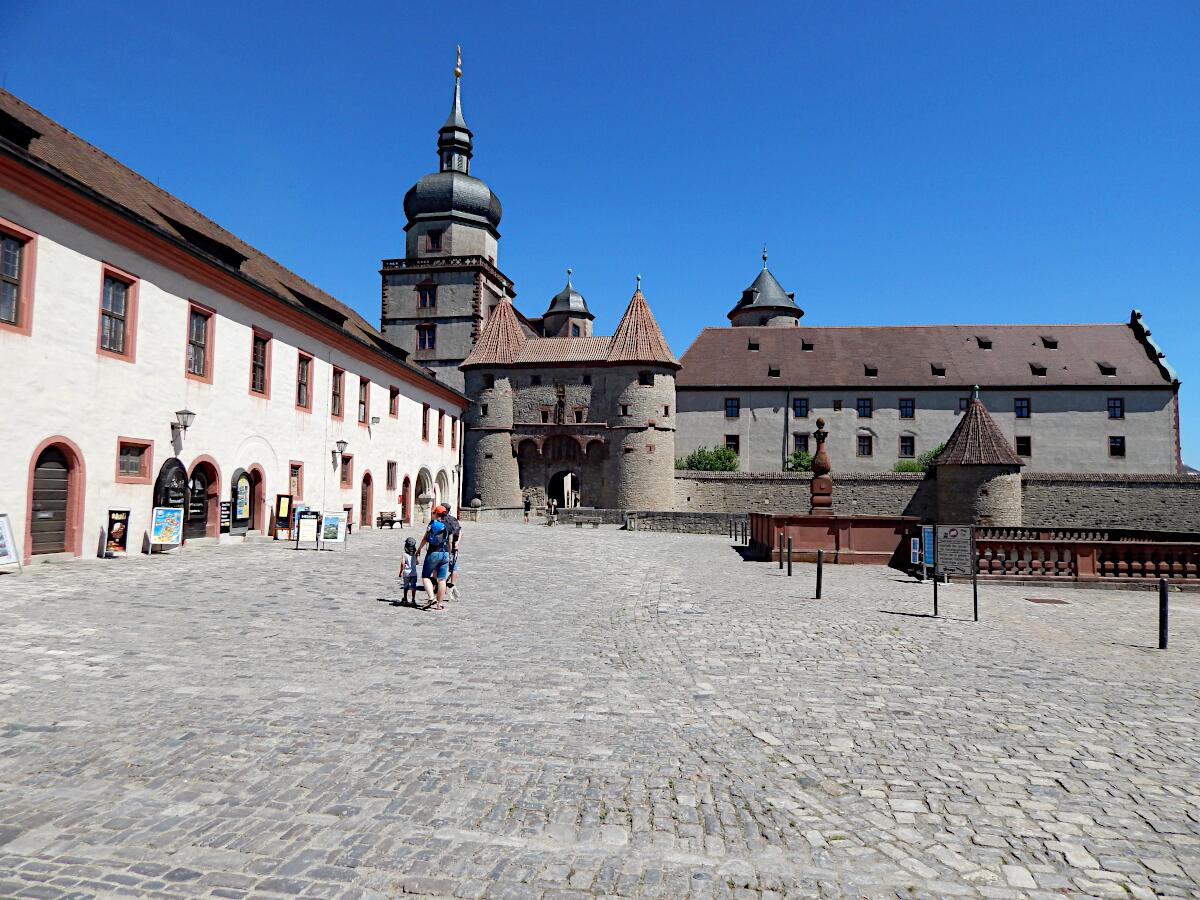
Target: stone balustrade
{"x": 1084, "y": 555}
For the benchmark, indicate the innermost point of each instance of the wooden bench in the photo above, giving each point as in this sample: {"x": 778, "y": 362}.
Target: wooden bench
{"x": 388, "y": 519}
{"x": 587, "y": 520}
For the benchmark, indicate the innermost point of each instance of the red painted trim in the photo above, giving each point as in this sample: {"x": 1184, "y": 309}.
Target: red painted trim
{"x": 405, "y": 490}
{"x": 258, "y": 488}
{"x": 425, "y": 422}
{"x": 299, "y": 493}
{"x": 76, "y": 487}
{"x": 391, "y": 470}
{"x": 302, "y": 354}
{"x": 334, "y": 379}
{"x": 147, "y": 461}
{"x": 25, "y": 295}
{"x": 370, "y": 510}
{"x": 212, "y": 527}
{"x": 52, "y": 195}
{"x": 393, "y": 401}
{"x": 453, "y": 432}
{"x": 346, "y": 471}
{"x": 210, "y": 340}
{"x": 255, "y": 331}
{"x": 441, "y": 428}
{"x": 131, "y": 308}
{"x": 366, "y": 421}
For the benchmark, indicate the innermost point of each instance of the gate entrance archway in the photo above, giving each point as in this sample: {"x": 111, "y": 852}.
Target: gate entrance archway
{"x": 563, "y": 489}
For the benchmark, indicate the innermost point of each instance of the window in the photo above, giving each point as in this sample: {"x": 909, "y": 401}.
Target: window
{"x": 937, "y": 371}
{"x": 347, "y": 474}
{"x": 772, "y": 371}
{"x": 984, "y": 343}
{"x": 587, "y": 379}
{"x": 1106, "y": 369}
{"x": 1116, "y": 446}
{"x": 1021, "y": 407}
{"x": 733, "y": 442}
{"x": 646, "y": 379}
{"x": 733, "y": 407}
{"x": 260, "y": 363}
{"x": 1038, "y": 370}
{"x": 296, "y": 479}
{"x": 546, "y": 416}
{"x": 666, "y": 411}
{"x": 574, "y": 330}
{"x": 800, "y": 442}
{"x": 303, "y": 374}
{"x": 198, "y": 343}
{"x": 391, "y": 475}
{"x": 453, "y": 432}
{"x": 865, "y": 407}
{"x": 535, "y": 380}
{"x": 1050, "y": 343}
{"x": 800, "y": 407}
{"x": 908, "y": 446}
{"x": 489, "y": 381}
{"x": 865, "y": 445}
{"x": 364, "y": 400}
{"x": 426, "y": 296}
{"x": 133, "y": 460}
{"x": 624, "y": 409}
{"x": 426, "y": 336}
{"x": 441, "y": 427}
{"x": 17, "y": 253}
{"x": 335, "y": 398}
{"x": 483, "y": 407}
{"x": 871, "y": 371}
{"x": 425, "y": 421}
{"x": 117, "y": 315}
{"x": 752, "y": 346}
{"x": 806, "y": 346}
{"x": 1024, "y": 445}
{"x": 394, "y": 402}
{"x": 908, "y": 408}
{"x": 433, "y": 240}
{"x": 962, "y": 403}
{"x": 1116, "y": 407}
{"x": 837, "y": 405}
{"x": 578, "y": 416}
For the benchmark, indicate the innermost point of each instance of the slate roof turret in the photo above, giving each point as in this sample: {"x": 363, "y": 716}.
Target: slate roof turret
{"x": 766, "y": 293}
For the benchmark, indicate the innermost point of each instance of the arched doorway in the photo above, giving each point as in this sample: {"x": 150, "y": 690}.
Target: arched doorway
{"x": 257, "y": 499}
{"x": 203, "y": 504}
{"x": 365, "y": 515}
{"x": 442, "y": 487}
{"x": 56, "y": 482}
{"x": 241, "y": 499}
{"x": 423, "y": 496}
{"x": 563, "y": 489}
{"x": 405, "y": 492}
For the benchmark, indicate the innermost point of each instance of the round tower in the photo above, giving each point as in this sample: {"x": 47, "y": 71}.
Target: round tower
{"x": 568, "y": 314}
{"x": 492, "y": 473}
{"x": 765, "y": 302}
{"x": 979, "y": 473}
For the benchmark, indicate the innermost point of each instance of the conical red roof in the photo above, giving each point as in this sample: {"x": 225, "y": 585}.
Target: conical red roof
{"x": 501, "y": 341}
{"x": 977, "y": 441}
{"x": 638, "y": 337}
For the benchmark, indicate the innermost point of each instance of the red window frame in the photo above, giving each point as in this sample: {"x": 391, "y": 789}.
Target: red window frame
{"x": 425, "y": 421}
{"x": 299, "y": 492}
{"x": 441, "y": 428}
{"x": 337, "y": 388}
{"x": 265, "y": 393}
{"x": 210, "y": 335}
{"x": 305, "y": 357}
{"x": 144, "y": 476}
{"x": 454, "y": 432}
{"x": 129, "y": 354}
{"x": 363, "y": 404}
{"x": 391, "y": 469}
{"x": 394, "y": 401}
{"x": 28, "y": 240}
{"x": 346, "y": 472}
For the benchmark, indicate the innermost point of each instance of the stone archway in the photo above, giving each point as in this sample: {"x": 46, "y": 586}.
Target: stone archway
{"x": 441, "y": 486}
{"x": 366, "y": 504}
{"x": 406, "y": 500}
{"x": 203, "y": 515}
{"x": 423, "y": 495}
{"x": 54, "y": 521}
{"x": 564, "y": 488}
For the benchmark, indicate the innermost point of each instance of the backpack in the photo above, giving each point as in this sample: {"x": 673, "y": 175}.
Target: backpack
{"x": 453, "y": 528}
{"x": 436, "y": 537}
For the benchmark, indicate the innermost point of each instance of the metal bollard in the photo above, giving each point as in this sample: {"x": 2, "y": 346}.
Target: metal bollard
{"x": 789, "y": 556}
{"x": 1162, "y": 613}
{"x": 820, "y": 570}
{"x": 781, "y": 551}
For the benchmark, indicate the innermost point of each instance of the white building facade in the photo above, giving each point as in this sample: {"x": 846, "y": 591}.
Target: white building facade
{"x": 113, "y": 320}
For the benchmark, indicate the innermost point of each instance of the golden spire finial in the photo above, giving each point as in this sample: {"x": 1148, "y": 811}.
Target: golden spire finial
{"x": 458, "y": 61}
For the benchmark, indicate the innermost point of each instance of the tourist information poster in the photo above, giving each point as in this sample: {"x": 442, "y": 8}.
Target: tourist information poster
{"x": 955, "y": 550}
{"x": 8, "y": 546}
{"x": 166, "y": 526}
{"x": 307, "y": 524}
{"x": 333, "y": 528}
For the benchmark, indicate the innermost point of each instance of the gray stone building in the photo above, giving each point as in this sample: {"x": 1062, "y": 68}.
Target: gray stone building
{"x": 1070, "y": 398}
{"x": 584, "y": 419}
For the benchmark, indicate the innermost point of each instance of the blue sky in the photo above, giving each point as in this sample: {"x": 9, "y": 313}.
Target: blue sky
{"x": 904, "y": 162}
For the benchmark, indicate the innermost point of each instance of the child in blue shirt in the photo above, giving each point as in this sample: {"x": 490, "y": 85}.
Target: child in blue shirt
{"x": 410, "y": 573}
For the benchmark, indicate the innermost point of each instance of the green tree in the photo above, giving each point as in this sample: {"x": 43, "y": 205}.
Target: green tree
{"x": 709, "y": 459}
{"x": 799, "y": 461}
{"x": 922, "y": 463}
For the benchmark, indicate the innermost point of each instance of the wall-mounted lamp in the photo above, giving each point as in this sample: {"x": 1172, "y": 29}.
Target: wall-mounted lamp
{"x": 374, "y": 420}
{"x": 340, "y": 448}
{"x": 183, "y": 421}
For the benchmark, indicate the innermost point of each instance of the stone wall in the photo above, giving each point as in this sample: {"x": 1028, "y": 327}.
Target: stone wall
{"x": 690, "y": 522}
{"x": 874, "y": 493}
{"x": 1153, "y": 502}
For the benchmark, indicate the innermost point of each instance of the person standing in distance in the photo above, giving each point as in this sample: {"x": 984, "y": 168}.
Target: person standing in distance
{"x": 437, "y": 560}
{"x": 454, "y": 540}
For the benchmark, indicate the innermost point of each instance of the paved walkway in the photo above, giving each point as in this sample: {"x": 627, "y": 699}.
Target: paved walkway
{"x": 601, "y": 713}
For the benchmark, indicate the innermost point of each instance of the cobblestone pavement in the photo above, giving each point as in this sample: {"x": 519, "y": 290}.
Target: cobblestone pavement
{"x": 602, "y": 712}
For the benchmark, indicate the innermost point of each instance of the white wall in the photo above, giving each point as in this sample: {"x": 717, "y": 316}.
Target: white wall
{"x": 57, "y": 384}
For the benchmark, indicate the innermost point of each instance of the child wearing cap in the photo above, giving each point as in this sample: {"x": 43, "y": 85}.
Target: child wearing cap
{"x": 408, "y": 572}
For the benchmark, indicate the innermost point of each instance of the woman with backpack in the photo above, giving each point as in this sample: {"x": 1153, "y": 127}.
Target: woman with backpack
{"x": 437, "y": 559}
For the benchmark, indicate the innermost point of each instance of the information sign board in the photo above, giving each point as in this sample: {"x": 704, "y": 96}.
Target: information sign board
{"x": 333, "y": 528}
{"x": 166, "y": 525}
{"x": 955, "y": 550}
{"x": 927, "y": 544}
{"x": 915, "y": 551}
{"x": 307, "y": 525}
{"x": 8, "y": 544}
{"x": 226, "y": 516}
{"x": 117, "y": 533}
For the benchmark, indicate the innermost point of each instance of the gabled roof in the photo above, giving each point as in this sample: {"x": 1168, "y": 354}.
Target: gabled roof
{"x": 40, "y": 142}
{"x": 977, "y": 441}
{"x": 912, "y": 356}
{"x": 638, "y": 337}
{"x": 501, "y": 341}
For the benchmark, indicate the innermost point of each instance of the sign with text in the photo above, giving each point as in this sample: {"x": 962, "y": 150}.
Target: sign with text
{"x": 8, "y": 544}
{"x": 226, "y": 516}
{"x": 243, "y": 497}
{"x": 927, "y": 545}
{"x": 307, "y": 526}
{"x": 333, "y": 528}
{"x": 283, "y": 514}
{"x": 117, "y": 533}
{"x": 955, "y": 550}
{"x": 166, "y": 526}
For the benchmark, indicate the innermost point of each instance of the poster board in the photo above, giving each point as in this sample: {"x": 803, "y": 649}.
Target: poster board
{"x": 915, "y": 551}
{"x": 116, "y": 534}
{"x": 927, "y": 545}
{"x": 242, "y": 510}
{"x": 8, "y": 544}
{"x": 226, "y": 517}
{"x": 333, "y": 528}
{"x": 283, "y": 515}
{"x": 955, "y": 550}
{"x": 166, "y": 526}
{"x": 308, "y": 527}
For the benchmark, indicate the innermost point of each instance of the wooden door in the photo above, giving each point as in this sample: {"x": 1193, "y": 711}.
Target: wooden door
{"x": 197, "y": 508}
{"x": 48, "y": 526}
{"x": 364, "y": 515}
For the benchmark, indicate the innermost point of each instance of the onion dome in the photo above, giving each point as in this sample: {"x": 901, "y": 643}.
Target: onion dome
{"x": 766, "y": 295}
{"x": 977, "y": 440}
{"x": 569, "y": 302}
{"x": 638, "y": 337}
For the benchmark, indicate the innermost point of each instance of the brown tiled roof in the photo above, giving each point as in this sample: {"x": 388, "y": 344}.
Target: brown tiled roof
{"x": 638, "y": 337}
{"x": 39, "y": 139}
{"x": 565, "y": 349}
{"x": 977, "y": 441}
{"x": 906, "y": 355}
{"x": 502, "y": 339}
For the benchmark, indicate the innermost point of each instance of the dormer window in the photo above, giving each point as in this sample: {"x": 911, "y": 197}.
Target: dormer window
{"x": 1038, "y": 370}
{"x": 937, "y": 370}
{"x": 752, "y": 345}
{"x": 772, "y": 371}
{"x": 806, "y": 346}
{"x": 1050, "y": 343}
{"x": 1106, "y": 369}
{"x": 871, "y": 371}
{"x": 984, "y": 343}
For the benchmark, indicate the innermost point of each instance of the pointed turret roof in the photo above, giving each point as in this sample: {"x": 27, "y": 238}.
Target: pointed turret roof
{"x": 977, "y": 441}
{"x": 766, "y": 293}
{"x": 638, "y": 337}
{"x": 501, "y": 341}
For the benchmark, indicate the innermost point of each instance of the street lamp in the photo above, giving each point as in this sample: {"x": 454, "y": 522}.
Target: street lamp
{"x": 340, "y": 449}
{"x": 183, "y": 420}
